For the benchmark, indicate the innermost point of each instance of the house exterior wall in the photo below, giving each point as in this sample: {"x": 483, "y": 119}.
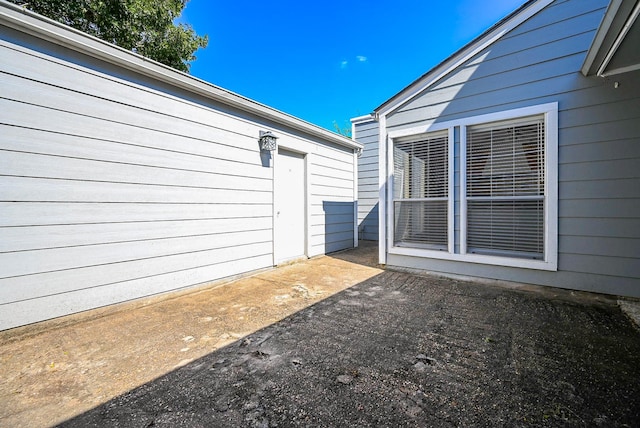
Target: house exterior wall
{"x": 539, "y": 62}
{"x": 332, "y": 198}
{"x": 366, "y": 131}
{"x": 114, "y": 186}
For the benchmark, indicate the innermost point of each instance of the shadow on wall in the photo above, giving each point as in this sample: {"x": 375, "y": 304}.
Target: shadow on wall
{"x": 536, "y": 63}
{"x": 339, "y": 218}
{"x": 368, "y": 227}
{"x": 266, "y": 158}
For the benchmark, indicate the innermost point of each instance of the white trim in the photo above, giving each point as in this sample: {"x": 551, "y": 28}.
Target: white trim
{"x": 272, "y": 166}
{"x": 355, "y": 199}
{"x": 506, "y": 114}
{"x": 463, "y": 192}
{"x": 418, "y": 132}
{"x": 362, "y": 119}
{"x": 307, "y": 202}
{"x": 551, "y": 186}
{"x": 611, "y": 20}
{"x": 451, "y": 191}
{"x": 473, "y": 258}
{"x": 391, "y": 182}
{"x": 473, "y": 120}
{"x": 382, "y": 183}
{"x": 389, "y": 190}
{"x": 616, "y": 44}
{"x": 415, "y": 132}
{"x": 601, "y": 33}
{"x": 468, "y": 52}
{"x": 550, "y": 111}
{"x": 28, "y": 22}
{"x": 621, "y": 70}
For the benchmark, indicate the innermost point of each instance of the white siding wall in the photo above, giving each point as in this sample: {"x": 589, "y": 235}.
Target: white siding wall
{"x": 366, "y": 133}
{"x": 112, "y": 188}
{"x": 331, "y": 195}
{"x": 599, "y": 151}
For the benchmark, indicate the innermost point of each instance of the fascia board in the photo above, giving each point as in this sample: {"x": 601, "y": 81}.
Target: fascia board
{"x": 463, "y": 55}
{"x": 599, "y": 38}
{"x": 621, "y": 34}
{"x": 44, "y": 28}
{"x": 363, "y": 119}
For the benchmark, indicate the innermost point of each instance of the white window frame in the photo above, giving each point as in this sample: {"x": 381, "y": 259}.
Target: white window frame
{"x": 417, "y": 133}
{"x": 550, "y": 260}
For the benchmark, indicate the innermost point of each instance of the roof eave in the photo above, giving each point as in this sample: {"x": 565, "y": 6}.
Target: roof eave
{"x": 617, "y": 20}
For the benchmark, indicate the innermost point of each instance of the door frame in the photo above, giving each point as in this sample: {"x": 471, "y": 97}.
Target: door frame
{"x": 306, "y": 205}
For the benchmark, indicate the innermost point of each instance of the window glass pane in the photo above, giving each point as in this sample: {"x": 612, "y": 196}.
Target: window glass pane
{"x": 505, "y": 161}
{"x": 420, "y": 191}
{"x": 421, "y": 168}
{"x": 421, "y": 222}
{"x": 514, "y": 228}
{"x": 505, "y": 188}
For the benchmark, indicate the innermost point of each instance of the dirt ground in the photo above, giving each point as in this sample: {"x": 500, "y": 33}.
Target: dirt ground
{"x": 54, "y": 370}
{"x": 332, "y": 341}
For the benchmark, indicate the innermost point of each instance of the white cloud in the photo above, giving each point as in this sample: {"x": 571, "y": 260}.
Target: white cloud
{"x": 358, "y": 58}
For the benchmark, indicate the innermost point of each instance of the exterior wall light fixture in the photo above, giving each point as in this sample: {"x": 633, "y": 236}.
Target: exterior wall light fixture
{"x": 268, "y": 141}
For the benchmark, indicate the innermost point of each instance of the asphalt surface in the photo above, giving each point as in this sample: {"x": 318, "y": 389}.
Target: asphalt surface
{"x": 408, "y": 350}
{"x": 331, "y": 342}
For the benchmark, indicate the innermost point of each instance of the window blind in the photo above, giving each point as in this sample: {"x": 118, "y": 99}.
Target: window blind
{"x": 421, "y": 191}
{"x": 505, "y": 188}
{"x": 421, "y": 222}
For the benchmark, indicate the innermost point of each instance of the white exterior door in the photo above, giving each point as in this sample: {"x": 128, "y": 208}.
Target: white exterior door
{"x": 289, "y": 206}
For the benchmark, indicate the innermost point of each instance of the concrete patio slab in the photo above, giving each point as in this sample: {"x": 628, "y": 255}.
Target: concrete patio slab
{"x": 356, "y": 346}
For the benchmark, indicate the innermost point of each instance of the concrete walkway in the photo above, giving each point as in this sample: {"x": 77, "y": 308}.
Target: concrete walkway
{"x": 333, "y": 341}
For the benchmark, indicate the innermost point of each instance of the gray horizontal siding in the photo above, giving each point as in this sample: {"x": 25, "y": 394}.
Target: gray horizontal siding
{"x": 599, "y": 127}
{"x": 115, "y": 187}
{"x": 580, "y": 279}
{"x": 544, "y": 60}
{"x": 367, "y": 133}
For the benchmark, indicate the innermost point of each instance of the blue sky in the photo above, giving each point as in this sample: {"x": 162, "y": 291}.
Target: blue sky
{"x": 329, "y": 61}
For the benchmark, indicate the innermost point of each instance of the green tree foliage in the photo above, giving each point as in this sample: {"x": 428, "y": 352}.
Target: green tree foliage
{"x": 346, "y": 131}
{"x": 143, "y": 26}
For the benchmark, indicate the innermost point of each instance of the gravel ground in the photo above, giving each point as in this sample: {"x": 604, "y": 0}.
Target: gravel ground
{"x": 408, "y": 350}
